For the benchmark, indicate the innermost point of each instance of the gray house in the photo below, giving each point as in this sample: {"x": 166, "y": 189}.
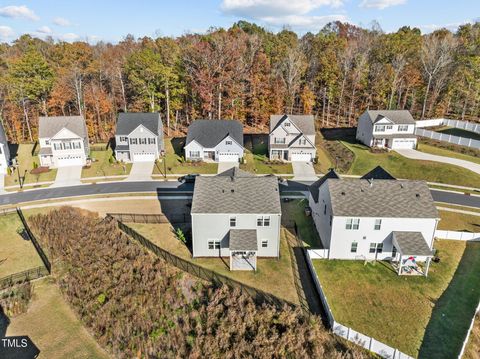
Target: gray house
{"x": 139, "y": 137}
{"x": 237, "y": 215}
{"x": 292, "y": 138}
{"x": 4, "y": 151}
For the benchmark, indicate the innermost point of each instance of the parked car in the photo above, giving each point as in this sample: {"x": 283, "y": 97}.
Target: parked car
{"x": 190, "y": 178}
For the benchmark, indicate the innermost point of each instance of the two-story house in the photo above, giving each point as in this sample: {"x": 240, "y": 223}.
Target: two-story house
{"x": 214, "y": 140}
{"x": 4, "y": 152}
{"x": 292, "y": 138}
{"x": 392, "y": 129}
{"x": 139, "y": 137}
{"x": 236, "y": 214}
{"x": 375, "y": 217}
{"x": 63, "y": 141}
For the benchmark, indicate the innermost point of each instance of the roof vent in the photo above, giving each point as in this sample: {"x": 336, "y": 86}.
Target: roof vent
{"x": 401, "y": 185}
{"x": 417, "y": 195}
{"x": 232, "y": 190}
{"x": 343, "y": 193}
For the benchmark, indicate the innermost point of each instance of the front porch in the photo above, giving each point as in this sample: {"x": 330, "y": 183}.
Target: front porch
{"x": 243, "y": 249}
{"x": 279, "y": 154}
{"x": 411, "y": 254}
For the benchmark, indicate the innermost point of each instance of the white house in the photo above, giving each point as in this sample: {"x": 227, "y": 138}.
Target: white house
{"x": 392, "y": 129}
{"x": 214, "y": 140}
{"x": 375, "y": 217}
{"x": 4, "y": 152}
{"x": 237, "y": 215}
{"x": 63, "y": 141}
{"x": 292, "y": 138}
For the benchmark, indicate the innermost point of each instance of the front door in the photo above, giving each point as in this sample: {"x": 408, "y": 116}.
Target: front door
{"x": 209, "y": 155}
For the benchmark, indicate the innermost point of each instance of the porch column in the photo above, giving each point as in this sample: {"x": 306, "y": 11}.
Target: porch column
{"x": 428, "y": 266}
{"x": 230, "y": 260}
{"x": 400, "y": 265}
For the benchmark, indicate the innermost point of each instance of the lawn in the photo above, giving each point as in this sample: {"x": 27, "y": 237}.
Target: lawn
{"x": 294, "y": 211}
{"x": 175, "y": 163}
{"x": 26, "y": 161}
{"x": 53, "y": 326}
{"x": 273, "y": 275}
{"x": 402, "y": 167}
{"x": 16, "y": 253}
{"x": 394, "y": 309}
{"x": 453, "y": 221}
{"x": 473, "y": 346}
{"x": 458, "y": 132}
{"x": 102, "y": 167}
{"x": 324, "y": 159}
{"x": 447, "y": 153}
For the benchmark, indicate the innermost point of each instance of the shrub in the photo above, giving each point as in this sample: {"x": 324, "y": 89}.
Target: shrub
{"x": 35, "y": 165}
{"x": 15, "y": 300}
{"x": 181, "y": 235}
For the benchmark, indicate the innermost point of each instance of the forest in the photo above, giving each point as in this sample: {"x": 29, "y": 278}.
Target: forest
{"x": 138, "y": 306}
{"x": 244, "y": 73}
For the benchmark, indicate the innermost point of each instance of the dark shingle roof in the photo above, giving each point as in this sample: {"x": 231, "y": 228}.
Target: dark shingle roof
{"x": 209, "y": 133}
{"x": 378, "y": 173}
{"x": 129, "y": 121}
{"x": 381, "y": 198}
{"x": 236, "y": 192}
{"x": 3, "y": 139}
{"x": 314, "y": 187}
{"x": 399, "y": 117}
{"x": 305, "y": 123}
{"x": 243, "y": 240}
{"x": 411, "y": 244}
{"x": 50, "y": 126}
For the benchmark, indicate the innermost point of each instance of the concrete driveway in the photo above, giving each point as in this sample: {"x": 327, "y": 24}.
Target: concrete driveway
{"x": 68, "y": 176}
{"x": 141, "y": 171}
{"x": 303, "y": 171}
{"x": 417, "y": 155}
{"x": 223, "y": 166}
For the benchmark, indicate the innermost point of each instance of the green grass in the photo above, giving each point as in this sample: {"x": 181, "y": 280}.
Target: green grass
{"x": 295, "y": 211}
{"x": 260, "y": 163}
{"x": 459, "y": 132}
{"x": 53, "y": 326}
{"x": 25, "y": 161}
{"x": 394, "y": 309}
{"x": 324, "y": 159}
{"x": 402, "y": 167}
{"x": 273, "y": 275}
{"x": 453, "y": 221}
{"x": 16, "y": 254}
{"x": 174, "y": 164}
{"x": 101, "y": 166}
{"x": 447, "y": 153}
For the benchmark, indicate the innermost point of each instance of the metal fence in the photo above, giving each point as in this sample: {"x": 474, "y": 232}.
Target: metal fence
{"x": 216, "y": 279}
{"x": 177, "y": 218}
{"x": 25, "y": 276}
{"x": 461, "y": 141}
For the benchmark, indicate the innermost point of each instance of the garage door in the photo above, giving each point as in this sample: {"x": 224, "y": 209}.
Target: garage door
{"x": 403, "y": 144}
{"x": 66, "y": 161}
{"x": 228, "y": 157}
{"x": 143, "y": 157}
{"x": 303, "y": 157}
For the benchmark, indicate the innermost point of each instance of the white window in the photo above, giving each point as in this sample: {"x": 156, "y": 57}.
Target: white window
{"x": 263, "y": 221}
{"x": 151, "y": 141}
{"x": 302, "y": 141}
{"x": 402, "y": 128}
{"x": 214, "y": 244}
{"x": 233, "y": 221}
{"x": 389, "y": 127}
{"x": 133, "y": 141}
{"x": 287, "y": 124}
{"x": 194, "y": 154}
{"x": 378, "y": 224}
{"x": 279, "y": 141}
{"x": 47, "y": 142}
{"x": 143, "y": 141}
{"x": 376, "y": 247}
{"x": 228, "y": 142}
{"x": 264, "y": 243}
{"x": 380, "y": 128}
{"x": 352, "y": 223}
{"x": 67, "y": 146}
{"x": 57, "y": 146}
{"x": 123, "y": 139}
{"x": 353, "y": 248}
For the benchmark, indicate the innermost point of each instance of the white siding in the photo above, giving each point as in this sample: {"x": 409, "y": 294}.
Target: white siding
{"x": 193, "y": 146}
{"x": 320, "y": 216}
{"x": 3, "y": 159}
{"x": 364, "y": 129}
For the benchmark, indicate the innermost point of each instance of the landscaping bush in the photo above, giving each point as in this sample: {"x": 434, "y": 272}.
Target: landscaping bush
{"x": 14, "y": 300}
{"x": 140, "y": 306}
{"x": 341, "y": 156}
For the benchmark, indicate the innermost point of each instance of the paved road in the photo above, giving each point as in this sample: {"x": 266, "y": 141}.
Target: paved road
{"x": 175, "y": 188}
{"x": 417, "y": 155}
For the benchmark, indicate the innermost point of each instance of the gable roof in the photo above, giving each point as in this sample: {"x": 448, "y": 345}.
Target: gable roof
{"x": 3, "y": 139}
{"x": 411, "y": 244}
{"x": 129, "y": 121}
{"x": 50, "y": 126}
{"x": 378, "y": 173}
{"x": 209, "y": 133}
{"x": 305, "y": 123}
{"x": 243, "y": 240}
{"x": 236, "y": 191}
{"x": 398, "y": 117}
{"x": 315, "y": 186}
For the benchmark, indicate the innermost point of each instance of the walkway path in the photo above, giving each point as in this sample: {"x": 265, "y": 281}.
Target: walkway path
{"x": 417, "y": 155}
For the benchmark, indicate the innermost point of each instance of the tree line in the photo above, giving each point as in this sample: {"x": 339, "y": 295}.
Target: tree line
{"x": 245, "y": 73}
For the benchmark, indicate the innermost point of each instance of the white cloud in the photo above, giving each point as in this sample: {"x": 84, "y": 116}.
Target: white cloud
{"x": 60, "y": 21}
{"x": 381, "y": 4}
{"x": 451, "y": 26}
{"x": 304, "y": 22}
{"x": 270, "y": 8}
{"x": 18, "y": 12}
{"x": 6, "y": 32}
{"x": 69, "y": 37}
{"x": 44, "y": 30}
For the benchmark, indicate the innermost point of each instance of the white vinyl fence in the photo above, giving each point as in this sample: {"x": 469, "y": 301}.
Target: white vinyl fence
{"x": 318, "y": 253}
{"x": 460, "y": 236}
{"x": 461, "y": 141}
{"x": 464, "y": 125}
{"x": 358, "y": 338}
{"x": 464, "y": 346}
{"x": 429, "y": 123}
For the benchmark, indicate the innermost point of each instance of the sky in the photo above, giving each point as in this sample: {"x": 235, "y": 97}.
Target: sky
{"x": 110, "y": 21}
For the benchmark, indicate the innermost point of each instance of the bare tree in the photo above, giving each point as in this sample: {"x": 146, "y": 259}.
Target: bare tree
{"x": 292, "y": 68}
{"x": 398, "y": 64}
